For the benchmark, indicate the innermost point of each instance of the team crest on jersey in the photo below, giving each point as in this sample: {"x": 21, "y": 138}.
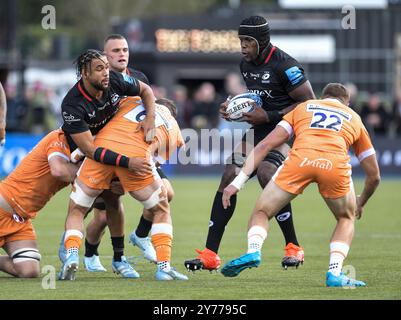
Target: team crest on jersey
{"x": 18, "y": 219}
{"x": 114, "y": 98}
{"x": 266, "y": 77}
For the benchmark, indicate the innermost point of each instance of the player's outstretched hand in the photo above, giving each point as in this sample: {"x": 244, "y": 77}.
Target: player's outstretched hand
{"x": 141, "y": 166}
{"x": 148, "y": 125}
{"x": 229, "y": 191}
{"x": 359, "y": 208}
{"x": 223, "y": 108}
{"x": 256, "y": 116}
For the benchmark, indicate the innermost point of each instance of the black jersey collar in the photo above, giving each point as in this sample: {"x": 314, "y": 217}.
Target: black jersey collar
{"x": 265, "y": 56}
{"x": 83, "y": 91}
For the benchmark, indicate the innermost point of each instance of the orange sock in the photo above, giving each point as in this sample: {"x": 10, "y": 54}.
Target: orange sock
{"x": 162, "y": 243}
{"x": 161, "y": 235}
{"x": 73, "y": 239}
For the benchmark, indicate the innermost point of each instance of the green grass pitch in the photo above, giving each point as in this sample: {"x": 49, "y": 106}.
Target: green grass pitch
{"x": 375, "y": 254}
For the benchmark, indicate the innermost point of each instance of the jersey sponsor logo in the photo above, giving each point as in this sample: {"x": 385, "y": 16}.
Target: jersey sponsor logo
{"x": 263, "y": 93}
{"x": 254, "y": 76}
{"x": 294, "y": 74}
{"x": 320, "y": 163}
{"x": 69, "y": 117}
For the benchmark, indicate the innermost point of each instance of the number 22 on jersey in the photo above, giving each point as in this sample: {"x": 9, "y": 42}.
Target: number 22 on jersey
{"x": 327, "y": 118}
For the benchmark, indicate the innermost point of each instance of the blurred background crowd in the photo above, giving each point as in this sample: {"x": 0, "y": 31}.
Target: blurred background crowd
{"x": 189, "y": 51}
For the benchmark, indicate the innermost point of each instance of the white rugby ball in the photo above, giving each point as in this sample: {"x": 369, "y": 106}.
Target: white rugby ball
{"x": 242, "y": 103}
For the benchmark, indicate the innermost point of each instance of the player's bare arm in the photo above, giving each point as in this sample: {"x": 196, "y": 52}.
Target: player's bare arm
{"x": 300, "y": 94}
{"x": 274, "y": 139}
{"x": 84, "y": 141}
{"x": 371, "y": 168}
{"x": 62, "y": 169}
{"x": 3, "y": 112}
{"x": 148, "y": 124}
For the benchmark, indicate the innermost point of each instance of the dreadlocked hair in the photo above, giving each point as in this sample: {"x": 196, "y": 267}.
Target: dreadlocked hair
{"x": 85, "y": 59}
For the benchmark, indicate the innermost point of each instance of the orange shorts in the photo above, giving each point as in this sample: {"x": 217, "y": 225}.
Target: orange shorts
{"x": 332, "y": 173}
{"x": 14, "y": 228}
{"x": 98, "y": 176}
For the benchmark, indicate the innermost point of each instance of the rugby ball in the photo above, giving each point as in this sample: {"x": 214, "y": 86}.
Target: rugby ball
{"x": 242, "y": 103}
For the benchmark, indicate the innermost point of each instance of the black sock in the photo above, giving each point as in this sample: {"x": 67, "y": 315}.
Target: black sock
{"x": 284, "y": 219}
{"x": 91, "y": 249}
{"x": 118, "y": 247}
{"x": 143, "y": 228}
{"x": 218, "y": 221}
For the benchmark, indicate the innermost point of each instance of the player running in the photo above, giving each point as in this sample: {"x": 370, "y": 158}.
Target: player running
{"x": 123, "y": 133}
{"x": 280, "y": 81}
{"x": 324, "y": 131}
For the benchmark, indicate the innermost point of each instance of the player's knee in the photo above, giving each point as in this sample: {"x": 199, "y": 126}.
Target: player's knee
{"x": 230, "y": 172}
{"x": 265, "y": 172}
{"x": 157, "y": 201}
{"x": 100, "y": 217}
{"x": 26, "y": 262}
{"x": 80, "y": 198}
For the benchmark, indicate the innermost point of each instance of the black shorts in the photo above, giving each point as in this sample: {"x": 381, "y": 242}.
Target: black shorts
{"x": 259, "y": 133}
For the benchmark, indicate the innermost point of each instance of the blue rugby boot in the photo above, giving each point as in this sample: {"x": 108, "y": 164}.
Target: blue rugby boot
{"x": 172, "y": 274}
{"x": 124, "y": 268}
{"x": 93, "y": 264}
{"x": 70, "y": 266}
{"x": 235, "y": 266}
{"x": 342, "y": 281}
{"x": 145, "y": 245}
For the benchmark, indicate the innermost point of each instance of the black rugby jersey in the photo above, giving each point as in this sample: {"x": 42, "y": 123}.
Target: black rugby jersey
{"x": 138, "y": 75}
{"x": 273, "y": 79}
{"x": 82, "y": 112}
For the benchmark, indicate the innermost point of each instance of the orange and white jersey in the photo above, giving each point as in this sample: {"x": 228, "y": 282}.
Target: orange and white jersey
{"x": 329, "y": 126}
{"x": 121, "y": 130}
{"x": 30, "y": 186}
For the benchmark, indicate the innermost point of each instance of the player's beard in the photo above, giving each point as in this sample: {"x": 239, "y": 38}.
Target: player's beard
{"x": 99, "y": 86}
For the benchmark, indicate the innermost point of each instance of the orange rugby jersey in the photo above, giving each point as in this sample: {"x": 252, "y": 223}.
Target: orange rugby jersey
{"x": 121, "y": 130}
{"x": 30, "y": 186}
{"x": 329, "y": 126}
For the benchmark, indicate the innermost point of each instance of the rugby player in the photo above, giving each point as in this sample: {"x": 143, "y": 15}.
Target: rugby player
{"x": 43, "y": 172}
{"x": 123, "y": 133}
{"x": 281, "y": 83}
{"x": 86, "y": 109}
{"x": 324, "y": 132}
